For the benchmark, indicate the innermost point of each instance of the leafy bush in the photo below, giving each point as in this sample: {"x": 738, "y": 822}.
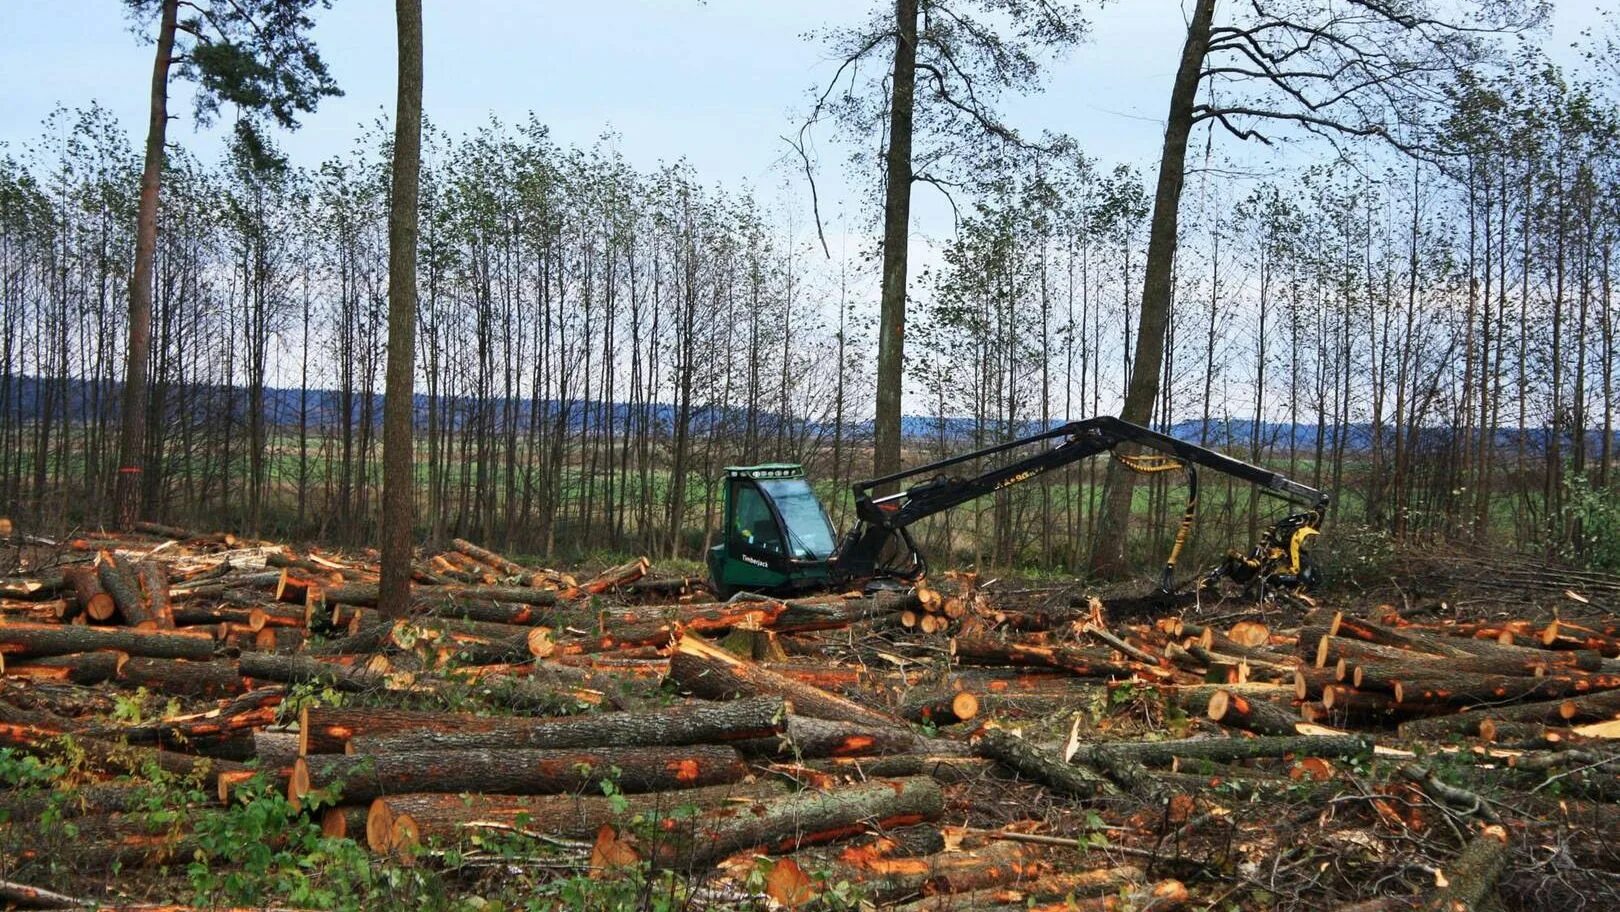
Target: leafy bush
{"x": 1594, "y": 520}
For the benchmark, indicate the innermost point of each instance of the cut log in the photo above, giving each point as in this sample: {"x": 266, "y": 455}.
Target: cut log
{"x": 43, "y": 584}
{"x": 18, "y": 639}
{"x": 1470, "y": 879}
{"x": 886, "y": 880}
{"x": 108, "y": 755}
{"x": 181, "y": 677}
{"x": 693, "y": 722}
{"x": 710, "y": 672}
{"x": 85, "y": 668}
{"x": 489, "y": 557}
{"x": 946, "y": 770}
{"x": 1262, "y": 717}
{"x": 1226, "y": 750}
{"x": 941, "y": 709}
{"x": 275, "y": 749}
{"x": 515, "y": 771}
{"x": 346, "y": 821}
{"x": 400, "y": 823}
{"x": 1036, "y": 764}
{"x": 810, "y": 738}
{"x": 1078, "y": 662}
{"x": 118, "y": 578}
{"x": 93, "y": 600}
{"x": 615, "y": 577}
{"x": 1468, "y": 689}
{"x": 298, "y": 669}
{"x": 807, "y": 818}
{"x": 154, "y": 583}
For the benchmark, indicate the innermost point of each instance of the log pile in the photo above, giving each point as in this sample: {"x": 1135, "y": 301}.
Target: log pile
{"x": 944, "y": 747}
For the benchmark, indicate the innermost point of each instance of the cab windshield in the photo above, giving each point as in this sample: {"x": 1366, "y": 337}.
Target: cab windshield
{"x": 809, "y": 533}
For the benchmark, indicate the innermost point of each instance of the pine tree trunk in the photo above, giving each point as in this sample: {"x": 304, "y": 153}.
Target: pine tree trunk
{"x": 132, "y": 436}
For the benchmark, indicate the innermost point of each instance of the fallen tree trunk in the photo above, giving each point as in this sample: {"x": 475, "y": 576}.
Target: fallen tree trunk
{"x": 708, "y": 671}
{"x": 807, "y": 818}
{"x": 688, "y": 723}
{"x": 17, "y": 639}
{"x": 400, "y": 823}
{"x": 810, "y": 738}
{"x": 1077, "y": 662}
{"x": 118, "y": 578}
{"x": 515, "y": 771}
{"x": 1470, "y": 880}
{"x": 94, "y": 602}
{"x": 296, "y": 669}
{"x": 182, "y": 677}
{"x": 1225, "y": 750}
{"x": 1262, "y": 717}
{"x": 154, "y": 583}
{"x": 1036, "y": 764}
{"x": 86, "y": 668}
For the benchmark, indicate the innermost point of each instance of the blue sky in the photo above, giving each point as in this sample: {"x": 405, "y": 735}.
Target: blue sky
{"x": 717, "y": 83}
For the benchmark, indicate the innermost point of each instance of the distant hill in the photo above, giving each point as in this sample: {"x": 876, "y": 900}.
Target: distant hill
{"x": 323, "y": 408}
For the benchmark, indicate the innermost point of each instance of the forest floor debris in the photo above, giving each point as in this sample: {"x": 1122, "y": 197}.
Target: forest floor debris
{"x": 190, "y": 718}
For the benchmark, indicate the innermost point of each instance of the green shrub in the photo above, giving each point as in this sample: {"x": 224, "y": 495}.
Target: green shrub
{"x": 1594, "y": 522}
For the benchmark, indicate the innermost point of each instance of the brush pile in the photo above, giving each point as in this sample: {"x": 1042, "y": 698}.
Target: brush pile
{"x": 948, "y": 746}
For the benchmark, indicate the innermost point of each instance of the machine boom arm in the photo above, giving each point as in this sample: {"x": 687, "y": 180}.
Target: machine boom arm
{"x": 882, "y": 518}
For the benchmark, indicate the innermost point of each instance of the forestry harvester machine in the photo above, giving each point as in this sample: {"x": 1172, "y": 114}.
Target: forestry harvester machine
{"x": 777, "y": 538}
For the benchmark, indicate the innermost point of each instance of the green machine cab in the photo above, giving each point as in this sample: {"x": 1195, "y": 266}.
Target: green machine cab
{"x": 776, "y": 535}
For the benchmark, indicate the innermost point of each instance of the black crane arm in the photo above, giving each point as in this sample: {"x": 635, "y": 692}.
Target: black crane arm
{"x": 882, "y": 518}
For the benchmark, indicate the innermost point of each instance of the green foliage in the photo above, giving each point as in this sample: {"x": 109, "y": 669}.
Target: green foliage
{"x": 1352, "y": 552}
{"x": 260, "y": 851}
{"x": 1593, "y": 515}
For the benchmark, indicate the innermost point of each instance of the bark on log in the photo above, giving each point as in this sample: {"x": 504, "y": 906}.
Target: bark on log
{"x": 154, "y": 583}
{"x": 811, "y": 738}
{"x": 941, "y": 709}
{"x": 109, "y": 755}
{"x": 807, "y": 818}
{"x": 489, "y": 557}
{"x": 85, "y": 668}
{"x": 708, "y": 671}
{"x": 1078, "y": 662}
{"x": 400, "y": 823}
{"x": 181, "y": 677}
{"x": 515, "y": 771}
{"x": 275, "y": 749}
{"x": 1262, "y": 717}
{"x": 41, "y": 584}
{"x": 1471, "y": 877}
{"x": 946, "y": 770}
{"x": 118, "y": 578}
{"x": 52, "y": 639}
{"x": 1036, "y": 764}
{"x": 1226, "y": 750}
{"x": 94, "y": 602}
{"x": 298, "y": 669}
{"x": 887, "y": 880}
{"x": 690, "y": 723}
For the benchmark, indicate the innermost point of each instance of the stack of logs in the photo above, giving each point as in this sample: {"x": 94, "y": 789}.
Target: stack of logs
{"x": 729, "y": 729}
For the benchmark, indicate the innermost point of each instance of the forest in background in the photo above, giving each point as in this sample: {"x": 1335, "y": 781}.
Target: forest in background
{"x": 596, "y": 342}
